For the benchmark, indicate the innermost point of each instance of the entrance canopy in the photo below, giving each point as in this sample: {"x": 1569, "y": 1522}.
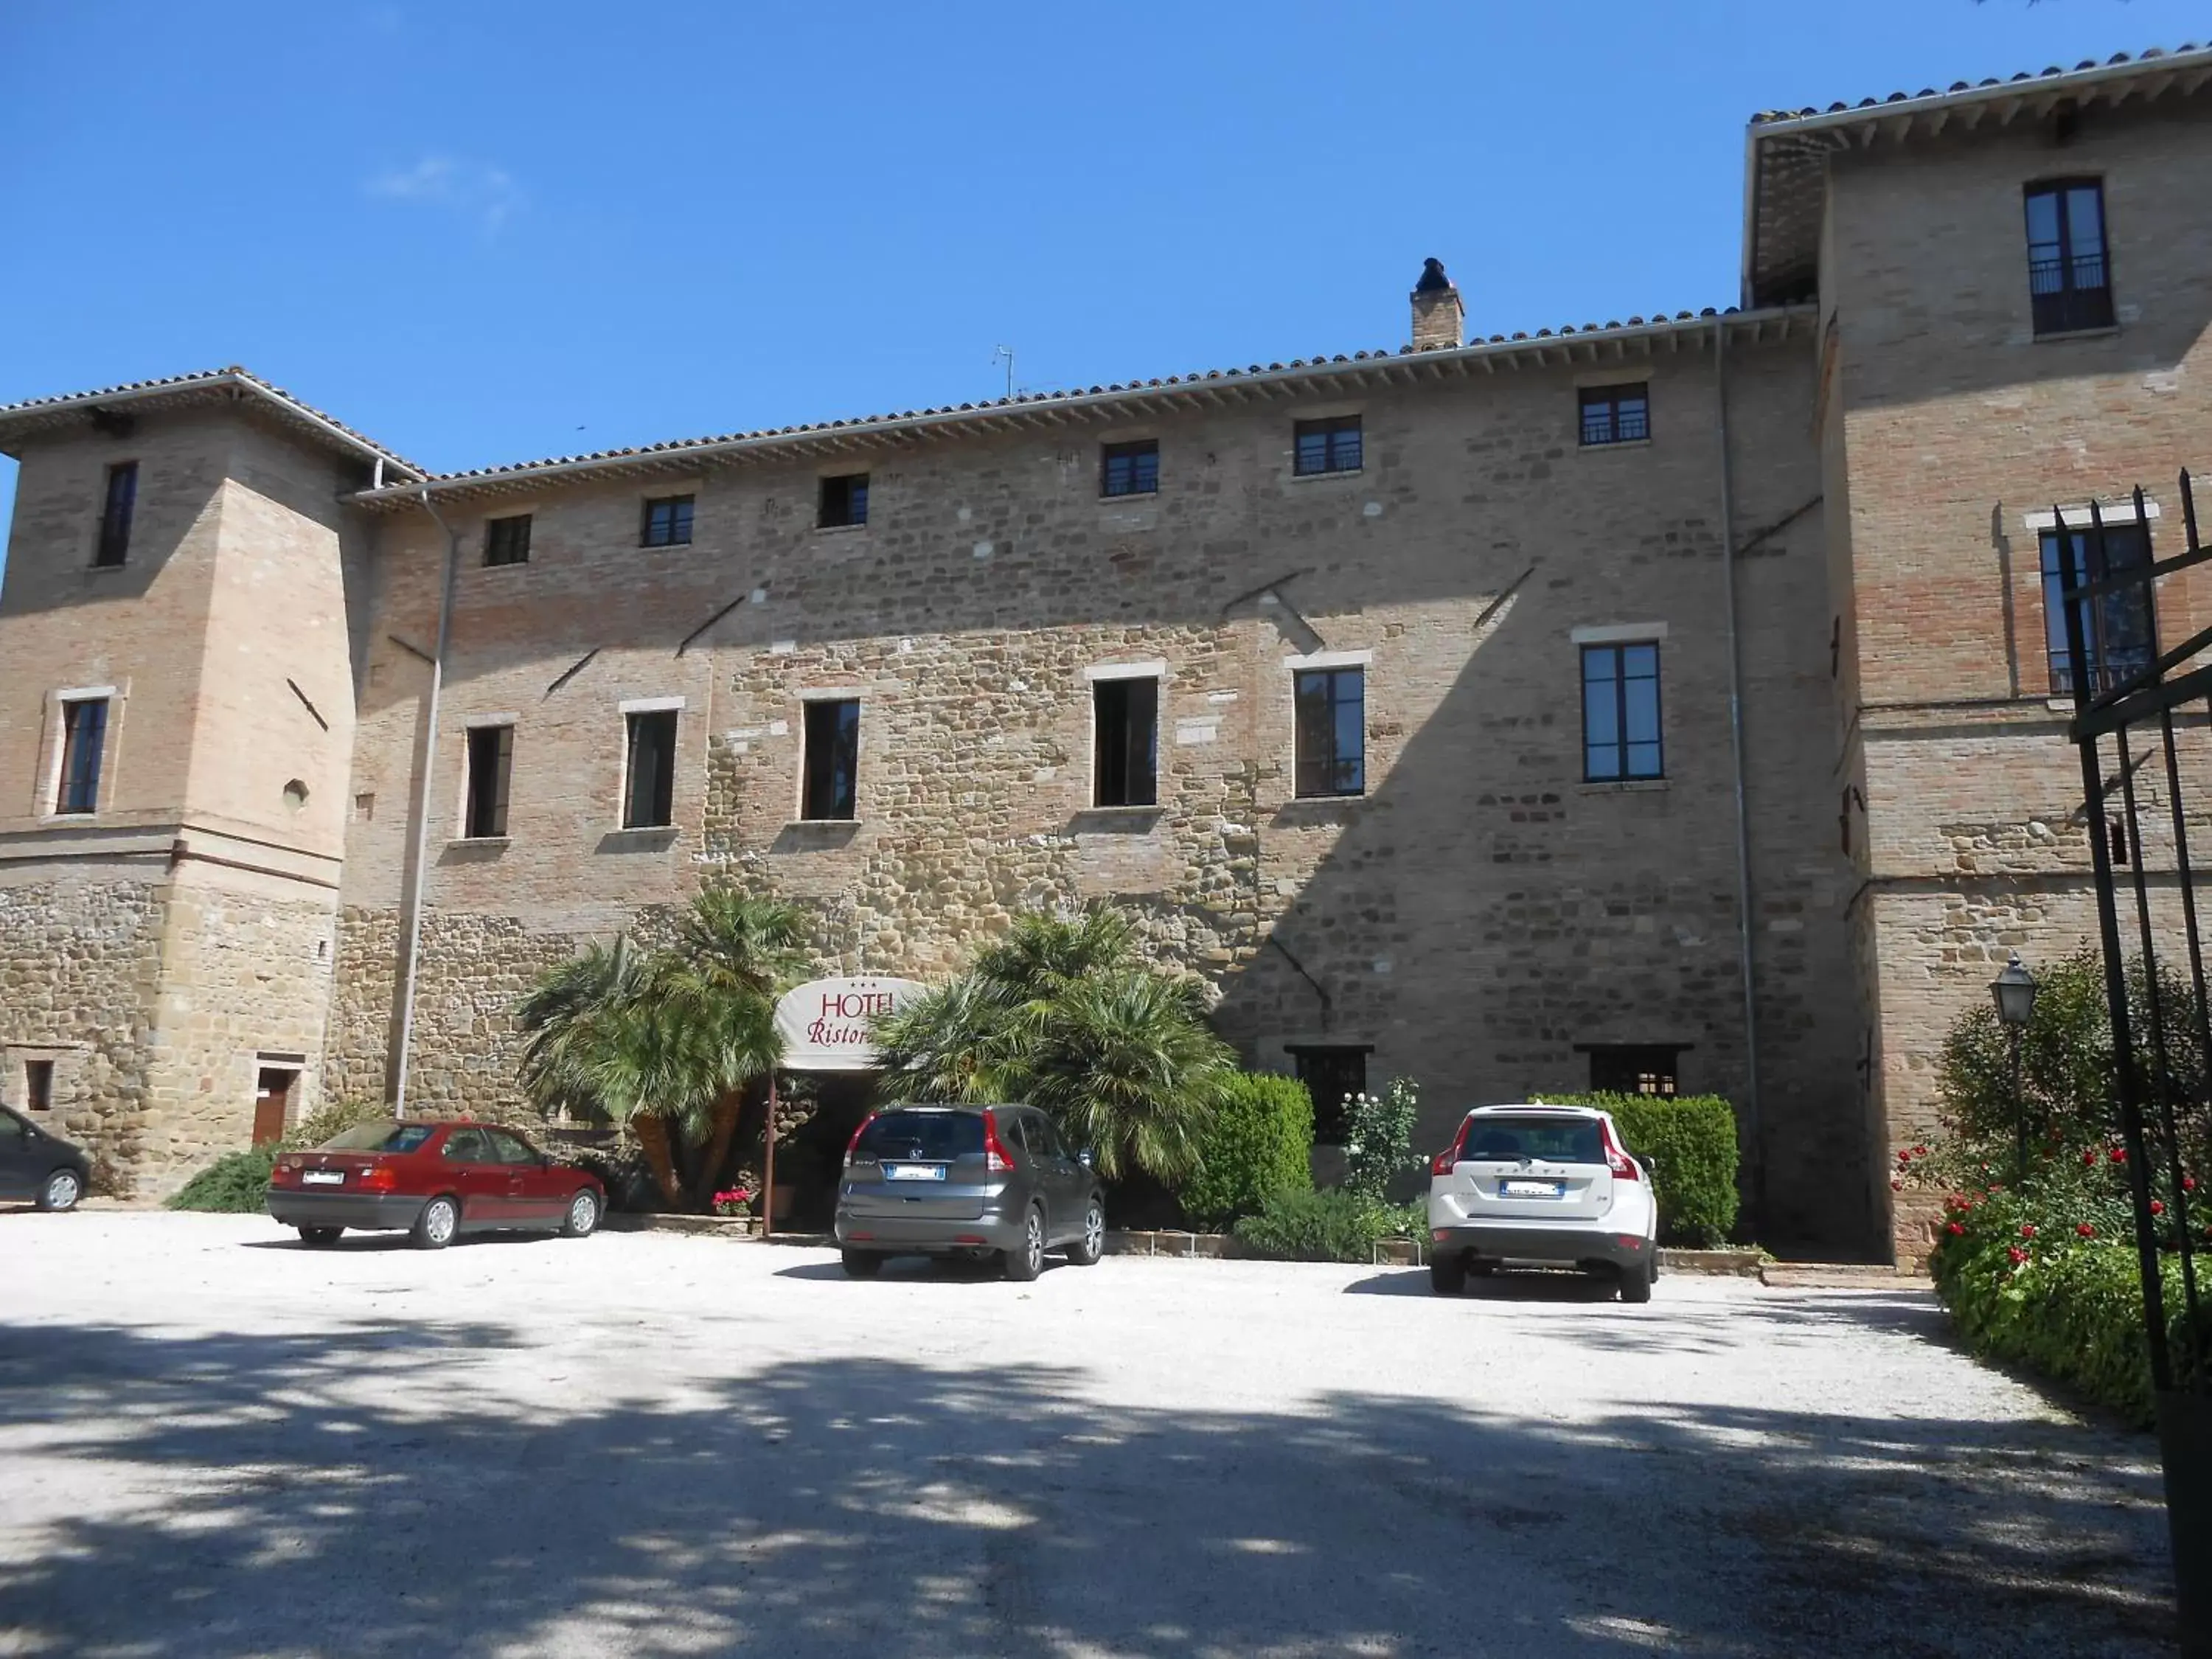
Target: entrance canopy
{"x": 824, "y": 1024}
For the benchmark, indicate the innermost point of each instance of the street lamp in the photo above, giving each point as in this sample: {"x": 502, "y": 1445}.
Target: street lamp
{"x": 2013, "y": 991}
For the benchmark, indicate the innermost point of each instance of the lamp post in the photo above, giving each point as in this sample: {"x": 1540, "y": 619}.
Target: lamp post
{"x": 2013, "y": 992}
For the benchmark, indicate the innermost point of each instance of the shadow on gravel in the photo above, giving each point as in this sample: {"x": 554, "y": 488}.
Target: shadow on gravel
{"x": 363, "y": 1492}
{"x": 1513, "y": 1285}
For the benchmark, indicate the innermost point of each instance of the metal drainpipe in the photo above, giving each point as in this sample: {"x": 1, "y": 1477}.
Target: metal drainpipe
{"x": 1752, "y": 1125}
{"x": 411, "y": 958}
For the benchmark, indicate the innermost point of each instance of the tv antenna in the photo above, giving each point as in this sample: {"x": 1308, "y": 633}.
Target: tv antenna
{"x": 1008, "y": 352}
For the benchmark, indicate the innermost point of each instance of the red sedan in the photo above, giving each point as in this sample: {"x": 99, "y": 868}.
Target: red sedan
{"x": 432, "y": 1182}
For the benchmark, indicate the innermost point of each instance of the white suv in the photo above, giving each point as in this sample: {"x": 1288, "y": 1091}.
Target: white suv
{"x": 1546, "y": 1184}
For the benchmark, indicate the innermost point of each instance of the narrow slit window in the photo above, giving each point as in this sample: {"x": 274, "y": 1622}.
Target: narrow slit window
{"x": 2069, "y": 280}
{"x": 84, "y": 734}
{"x": 1616, "y": 413}
{"x": 491, "y": 756}
{"x": 844, "y": 501}
{"x": 1130, "y": 468}
{"x": 39, "y": 1084}
{"x": 506, "y": 541}
{"x": 1127, "y": 715}
{"x": 667, "y": 522}
{"x": 1332, "y": 732}
{"x": 832, "y": 762}
{"x": 649, "y": 779}
{"x": 1330, "y": 445}
{"x": 120, "y": 502}
{"x": 1620, "y": 713}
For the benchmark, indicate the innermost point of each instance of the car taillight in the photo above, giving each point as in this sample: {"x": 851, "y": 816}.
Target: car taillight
{"x": 1448, "y": 1160}
{"x": 378, "y": 1178}
{"x": 995, "y": 1159}
{"x": 1623, "y": 1166}
{"x": 855, "y": 1140}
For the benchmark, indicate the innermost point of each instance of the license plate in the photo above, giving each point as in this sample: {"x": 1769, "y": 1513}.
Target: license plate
{"x": 1530, "y": 1188}
{"x": 322, "y": 1178}
{"x": 913, "y": 1172}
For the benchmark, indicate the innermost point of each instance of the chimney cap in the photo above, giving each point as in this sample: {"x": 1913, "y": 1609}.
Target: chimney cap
{"x": 1433, "y": 279}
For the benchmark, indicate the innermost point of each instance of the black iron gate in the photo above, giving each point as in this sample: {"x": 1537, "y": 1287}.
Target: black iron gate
{"x": 2127, "y": 691}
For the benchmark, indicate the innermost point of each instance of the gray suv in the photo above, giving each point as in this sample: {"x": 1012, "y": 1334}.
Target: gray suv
{"x": 967, "y": 1181}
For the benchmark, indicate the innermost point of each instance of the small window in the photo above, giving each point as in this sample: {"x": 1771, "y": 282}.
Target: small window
{"x": 1616, "y": 413}
{"x": 1332, "y": 1076}
{"x": 84, "y": 731}
{"x": 1126, "y": 745}
{"x": 1331, "y": 446}
{"x": 491, "y": 755}
{"x": 121, "y": 499}
{"x": 1634, "y": 1069}
{"x": 510, "y": 1149}
{"x": 470, "y": 1147}
{"x": 39, "y": 1084}
{"x": 2116, "y": 630}
{"x": 667, "y": 522}
{"x": 506, "y": 541}
{"x": 2068, "y": 276}
{"x": 649, "y": 790}
{"x": 832, "y": 761}
{"x": 1332, "y": 732}
{"x": 1620, "y": 713}
{"x": 1131, "y": 469}
{"x": 844, "y": 501}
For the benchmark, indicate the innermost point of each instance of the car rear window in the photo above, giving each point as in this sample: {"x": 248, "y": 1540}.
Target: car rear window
{"x": 380, "y": 1138}
{"x": 1554, "y": 1139}
{"x": 924, "y": 1136}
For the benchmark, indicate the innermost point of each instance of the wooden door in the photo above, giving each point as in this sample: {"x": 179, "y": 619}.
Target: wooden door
{"x": 272, "y": 1098}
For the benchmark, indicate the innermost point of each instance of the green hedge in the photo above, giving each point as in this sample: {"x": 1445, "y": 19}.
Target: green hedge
{"x": 1260, "y": 1143}
{"x": 2053, "y": 1302}
{"x": 1690, "y": 1143}
{"x": 1335, "y": 1225}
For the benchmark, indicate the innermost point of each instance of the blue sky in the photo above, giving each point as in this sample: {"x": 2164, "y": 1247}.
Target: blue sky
{"x": 487, "y": 232}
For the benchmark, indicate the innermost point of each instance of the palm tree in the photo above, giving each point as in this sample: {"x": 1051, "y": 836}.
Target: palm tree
{"x": 1064, "y": 1013}
{"x": 668, "y": 1040}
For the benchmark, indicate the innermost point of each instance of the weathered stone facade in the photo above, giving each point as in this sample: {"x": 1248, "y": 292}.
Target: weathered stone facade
{"x": 1823, "y": 533}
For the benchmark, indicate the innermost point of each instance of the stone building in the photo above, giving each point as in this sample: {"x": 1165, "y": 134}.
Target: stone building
{"x": 1661, "y": 703}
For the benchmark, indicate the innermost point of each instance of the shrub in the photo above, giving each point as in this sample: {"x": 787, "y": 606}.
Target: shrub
{"x": 1378, "y": 1144}
{"x": 2027, "y": 1286}
{"x": 1260, "y": 1143}
{"x": 1335, "y": 1225}
{"x": 235, "y": 1183}
{"x": 1690, "y": 1142}
{"x": 335, "y": 1118}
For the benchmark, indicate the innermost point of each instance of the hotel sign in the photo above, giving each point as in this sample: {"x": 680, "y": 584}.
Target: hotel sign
{"x": 824, "y": 1024}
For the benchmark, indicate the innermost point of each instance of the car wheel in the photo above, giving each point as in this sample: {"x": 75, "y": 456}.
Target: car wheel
{"x": 583, "y": 1217}
{"x": 862, "y": 1264}
{"x": 1636, "y": 1281}
{"x": 1086, "y": 1250}
{"x": 62, "y": 1191}
{"x": 1026, "y": 1260}
{"x": 1448, "y": 1274}
{"x": 434, "y": 1228}
{"x": 320, "y": 1235}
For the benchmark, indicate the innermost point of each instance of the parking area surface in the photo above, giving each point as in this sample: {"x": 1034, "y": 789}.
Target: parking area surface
{"x": 214, "y": 1441}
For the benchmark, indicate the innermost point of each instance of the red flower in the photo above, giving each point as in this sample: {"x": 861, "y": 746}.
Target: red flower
{"x": 2158, "y": 1207}
{"x": 1955, "y": 1230}
{"x": 2089, "y": 1160}
{"x": 1897, "y": 1186}
{"x": 2189, "y": 1183}
{"x": 2015, "y": 1254}
{"x": 2086, "y": 1231}
{"x": 2119, "y": 1154}
{"x": 2027, "y": 1230}
{"x": 1920, "y": 1152}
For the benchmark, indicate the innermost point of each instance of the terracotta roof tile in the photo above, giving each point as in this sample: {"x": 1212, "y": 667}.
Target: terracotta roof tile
{"x": 2149, "y": 56}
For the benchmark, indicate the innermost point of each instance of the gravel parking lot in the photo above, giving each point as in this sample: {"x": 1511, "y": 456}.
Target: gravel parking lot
{"x": 215, "y": 1441}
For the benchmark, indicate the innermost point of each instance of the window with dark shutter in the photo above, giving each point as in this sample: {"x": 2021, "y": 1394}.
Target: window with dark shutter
{"x": 121, "y": 500}
{"x": 1130, "y": 468}
{"x": 1126, "y": 714}
{"x": 1332, "y": 732}
{"x": 832, "y": 764}
{"x": 667, "y": 522}
{"x": 2069, "y": 280}
{"x": 506, "y": 541}
{"x": 1330, "y": 445}
{"x": 84, "y": 732}
{"x": 649, "y": 780}
{"x": 1332, "y": 1074}
{"x": 491, "y": 756}
{"x": 39, "y": 1085}
{"x": 844, "y": 501}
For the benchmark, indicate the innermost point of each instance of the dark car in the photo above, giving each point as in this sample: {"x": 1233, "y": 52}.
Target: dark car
{"x": 39, "y": 1166}
{"x": 433, "y": 1182}
{"x": 967, "y": 1181}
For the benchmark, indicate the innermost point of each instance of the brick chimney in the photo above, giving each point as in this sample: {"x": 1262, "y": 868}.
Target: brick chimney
{"x": 1437, "y": 314}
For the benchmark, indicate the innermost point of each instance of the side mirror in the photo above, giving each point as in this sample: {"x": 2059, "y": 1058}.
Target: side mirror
{"x": 1083, "y": 1157}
